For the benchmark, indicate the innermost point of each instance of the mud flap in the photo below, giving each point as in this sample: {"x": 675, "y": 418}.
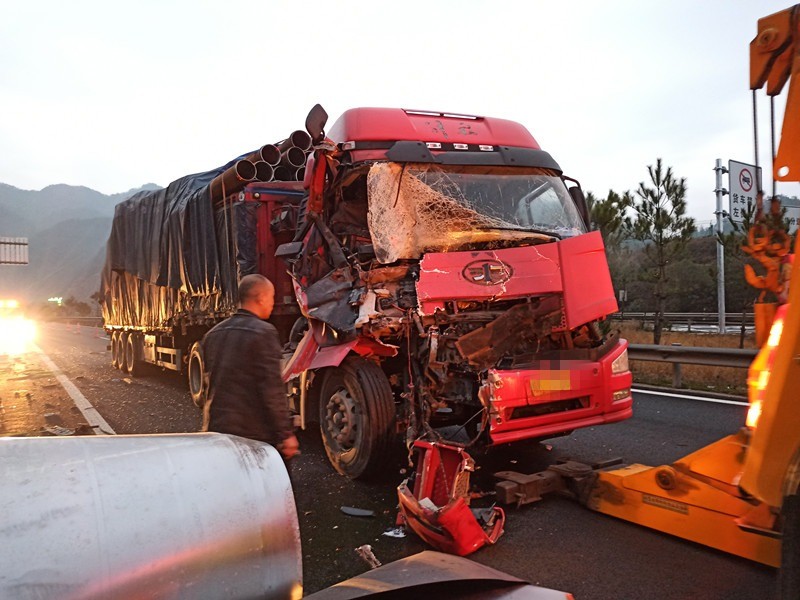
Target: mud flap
{"x": 434, "y": 501}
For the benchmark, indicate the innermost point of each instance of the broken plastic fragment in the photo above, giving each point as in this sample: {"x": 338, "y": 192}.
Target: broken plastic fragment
{"x": 357, "y": 512}
{"x": 366, "y": 553}
{"x": 396, "y": 532}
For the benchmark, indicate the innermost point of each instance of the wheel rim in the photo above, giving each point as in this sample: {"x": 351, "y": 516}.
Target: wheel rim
{"x": 343, "y": 420}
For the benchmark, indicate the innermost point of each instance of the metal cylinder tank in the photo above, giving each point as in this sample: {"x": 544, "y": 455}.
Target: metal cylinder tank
{"x": 186, "y": 516}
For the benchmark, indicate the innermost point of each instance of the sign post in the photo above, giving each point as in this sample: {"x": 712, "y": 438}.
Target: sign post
{"x": 720, "y": 192}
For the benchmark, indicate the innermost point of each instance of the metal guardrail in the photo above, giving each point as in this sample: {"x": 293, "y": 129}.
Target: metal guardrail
{"x": 88, "y": 321}
{"x": 697, "y": 318}
{"x": 691, "y": 355}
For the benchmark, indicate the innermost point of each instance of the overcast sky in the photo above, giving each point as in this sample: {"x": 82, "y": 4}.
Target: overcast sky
{"x": 113, "y": 95}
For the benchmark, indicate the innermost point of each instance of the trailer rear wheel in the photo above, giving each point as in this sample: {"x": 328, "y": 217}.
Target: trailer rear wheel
{"x": 115, "y": 355}
{"x": 357, "y": 417}
{"x": 133, "y": 354}
{"x": 196, "y": 370}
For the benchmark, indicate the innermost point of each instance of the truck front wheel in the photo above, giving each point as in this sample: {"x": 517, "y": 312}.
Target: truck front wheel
{"x": 197, "y": 374}
{"x": 357, "y": 417}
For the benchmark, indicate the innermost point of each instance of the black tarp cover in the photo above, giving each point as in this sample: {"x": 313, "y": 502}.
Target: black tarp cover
{"x": 171, "y": 255}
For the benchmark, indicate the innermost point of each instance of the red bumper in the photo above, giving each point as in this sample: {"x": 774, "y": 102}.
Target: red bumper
{"x": 559, "y": 396}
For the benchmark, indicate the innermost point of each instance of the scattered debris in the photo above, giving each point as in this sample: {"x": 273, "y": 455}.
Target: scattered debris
{"x": 366, "y": 553}
{"x": 395, "y": 532}
{"x": 53, "y": 419}
{"x": 357, "y": 512}
{"x": 58, "y": 430}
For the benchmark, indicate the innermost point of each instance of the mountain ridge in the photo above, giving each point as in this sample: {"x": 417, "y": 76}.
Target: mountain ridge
{"x": 67, "y": 227}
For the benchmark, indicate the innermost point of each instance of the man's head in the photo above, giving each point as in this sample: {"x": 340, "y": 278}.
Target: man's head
{"x": 257, "y": 294}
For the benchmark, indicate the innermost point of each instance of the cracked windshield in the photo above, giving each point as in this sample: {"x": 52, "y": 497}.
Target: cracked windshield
{"x": 428, "y": 207}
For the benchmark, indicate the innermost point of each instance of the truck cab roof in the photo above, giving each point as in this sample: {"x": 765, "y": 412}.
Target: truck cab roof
{"x": 399, "y": 124}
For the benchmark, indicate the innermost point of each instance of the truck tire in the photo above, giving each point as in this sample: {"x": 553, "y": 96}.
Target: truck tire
{"x": 115, "y": 357}
{"x": 196, "y": 374}
{"x": 122, "y": 344}
{"x": 133, "y": 355}
{"x": 789, "y": 574}
{"x": 357, "y": 417}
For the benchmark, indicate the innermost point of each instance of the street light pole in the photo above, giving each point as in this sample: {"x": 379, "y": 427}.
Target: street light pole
{"x": 720, "y": 192}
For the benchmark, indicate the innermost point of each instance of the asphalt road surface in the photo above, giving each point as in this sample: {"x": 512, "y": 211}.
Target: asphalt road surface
{"x": 555, "y": 543}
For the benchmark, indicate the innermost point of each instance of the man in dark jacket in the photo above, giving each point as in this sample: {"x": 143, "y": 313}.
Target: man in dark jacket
{"x": 246, "y": 395}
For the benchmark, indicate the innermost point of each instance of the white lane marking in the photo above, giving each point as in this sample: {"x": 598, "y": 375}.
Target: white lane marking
{"x": 98, "y": 423}
{"x": 700, "y": 398}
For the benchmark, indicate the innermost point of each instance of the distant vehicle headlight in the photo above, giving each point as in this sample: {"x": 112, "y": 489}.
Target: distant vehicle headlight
{"x": 16, "y": 335}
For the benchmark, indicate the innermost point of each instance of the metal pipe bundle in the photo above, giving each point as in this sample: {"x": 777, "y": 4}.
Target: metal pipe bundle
{"x": 293, "y": 157}
{"x": 284, "y": 161}
{"x": 264, "y": 171}
{"x": 232, "y": 180}
{"x": 282, "y": 173}
{"x": 298, "y": 139}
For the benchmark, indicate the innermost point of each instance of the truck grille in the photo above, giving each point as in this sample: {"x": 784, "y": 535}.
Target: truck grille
{"x": 548, "y": 408}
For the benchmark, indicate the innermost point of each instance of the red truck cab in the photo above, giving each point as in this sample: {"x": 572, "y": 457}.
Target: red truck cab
{"x": 451, "y": 289}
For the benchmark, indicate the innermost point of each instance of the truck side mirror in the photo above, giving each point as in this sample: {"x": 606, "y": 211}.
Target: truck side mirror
{"x": 315, "y": 123}
{"x": 580, "y": 201}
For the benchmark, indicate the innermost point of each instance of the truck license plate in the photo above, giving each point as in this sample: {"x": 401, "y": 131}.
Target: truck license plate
{"x": 551, "y": 381}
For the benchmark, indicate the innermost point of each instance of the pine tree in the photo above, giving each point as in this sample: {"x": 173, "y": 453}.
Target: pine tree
{"x": 660, "y": 221}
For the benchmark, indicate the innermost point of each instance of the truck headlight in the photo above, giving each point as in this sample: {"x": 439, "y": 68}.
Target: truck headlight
{"x": 620, "y": 364}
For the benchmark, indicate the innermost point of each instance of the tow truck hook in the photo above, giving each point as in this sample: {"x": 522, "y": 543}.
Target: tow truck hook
{"x": 567, "y": 477}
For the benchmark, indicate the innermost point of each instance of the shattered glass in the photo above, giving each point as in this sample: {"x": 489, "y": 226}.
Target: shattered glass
{"x": 416, "y": 208}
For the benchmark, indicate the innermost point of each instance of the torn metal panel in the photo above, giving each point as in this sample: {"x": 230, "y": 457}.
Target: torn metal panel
{"x": 522, "y": 323}
{"x": 434, "y": 574}
{"x": 588, "y": 270}
{"x": 310, "y": 354}
{"x": 434, "y": 502}
{"x": 506, "y": 273}
{"x": 329, "y": 300}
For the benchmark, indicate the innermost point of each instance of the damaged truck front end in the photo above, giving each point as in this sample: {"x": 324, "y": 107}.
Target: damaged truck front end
{"x": 451, "y": 291}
